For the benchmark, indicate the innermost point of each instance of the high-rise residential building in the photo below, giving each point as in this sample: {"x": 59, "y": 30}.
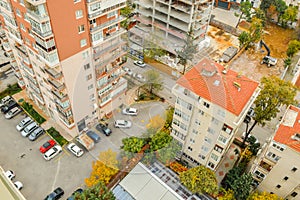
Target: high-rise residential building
{"x": 211, "y": 103}
{"x": 277, "y": 168}
{"x": 68, "y": 55}
{"x": 167, "y": 22}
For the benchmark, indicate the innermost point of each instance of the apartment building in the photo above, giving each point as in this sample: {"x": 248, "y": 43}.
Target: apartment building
{"x": 167, "y": 22}
{"x": 227, "y": 4}
{"x": 68, "y": 56}
{"x": 277, "y": 168}
{"x": 211, "y": 103}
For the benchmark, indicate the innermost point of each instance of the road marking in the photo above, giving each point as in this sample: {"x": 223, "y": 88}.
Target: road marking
{"x": 66, "y": 152}
{"x": 59, "y": 157}
{"x": 56, "y": 174}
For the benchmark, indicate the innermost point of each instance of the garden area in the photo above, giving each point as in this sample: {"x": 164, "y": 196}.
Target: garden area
{"x": 57, "y": 136}
{"x": 33, "y": 113}
{"x": 10, "y": 90}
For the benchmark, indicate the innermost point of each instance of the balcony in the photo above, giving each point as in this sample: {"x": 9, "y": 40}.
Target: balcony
{"x": 57, "y": 85}
{"x": 53, "y": 73}
{"x": 43, "y": 34}
{"x": 61, "y": 96}
{"x": 107, "y": 24}
{"x": 22, "y": 49}
{"x": 37, "y": 16}
{"x": 36, "y": 2}
{"x": 108, "y": 48}
{"x": 110, "y": 59}
{"x": 114, "y": 34}
{"x": 104, "y": 11}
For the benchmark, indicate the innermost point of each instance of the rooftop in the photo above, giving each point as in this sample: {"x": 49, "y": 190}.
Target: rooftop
{"x": 223, "y": 87}
{"x": 288, "y": 132}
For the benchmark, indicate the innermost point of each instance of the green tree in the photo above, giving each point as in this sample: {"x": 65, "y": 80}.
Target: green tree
{"x": 265, "y": 4}
{"x": 200, "y": 180}
{"x": 264, "y": 196}
{"x": 245, "y": 8}
{"x": 274, "y": 93}
{"x": 159, "y": 140}
{"x": 152, "y": 46}
{"x": 256, "y": 29}
{"x": 187, "y": 52}
{"x": 293, "y": 48}
{"x": 289, "y": 15}
{"x": 226, "y": 194}
{"x": 168, "y": 154}
{"x": 260, "y": 14}
{"x": 153, "y": 81}
{"x": 231, "y": 176}
{"x": 244, "y": 39}
{"x": 242, "y": 186}
{"x": 280, "y": 7}
{"x": 97, "y": 192}
{"x": 133, "y": 144}
{"x": 169, "y": 117}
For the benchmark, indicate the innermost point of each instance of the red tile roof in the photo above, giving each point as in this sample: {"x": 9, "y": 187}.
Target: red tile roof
{"x": 285, "y": 132}
{"x": 231, "y": 91}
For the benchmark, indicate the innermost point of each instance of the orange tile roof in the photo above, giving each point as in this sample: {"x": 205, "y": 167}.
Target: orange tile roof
{"x": 284, "y": 132}
{"x": 230, "y": 91}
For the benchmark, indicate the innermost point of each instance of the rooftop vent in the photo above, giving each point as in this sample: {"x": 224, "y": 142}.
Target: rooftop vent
{"x": 237, "y": 85}
{"x": 216, "y": 82}
{"x": 207, "y": 73}
{"x": 296, "y": 136}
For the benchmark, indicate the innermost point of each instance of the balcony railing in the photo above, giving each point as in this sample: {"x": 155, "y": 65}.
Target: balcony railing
{"x": 53, "y": 73}
{"x": 37, "y": 16}
{"x": 112, "y": 46}
{"x": 57, "y": 85}
{"x": 42, "y": 34}
{"x": 21, "y": 49}
{"x": 36, "y": 2}
{"x": 61, "y": 96}
{"x": 100, "y": 12}
{"x": 107, "y": 24}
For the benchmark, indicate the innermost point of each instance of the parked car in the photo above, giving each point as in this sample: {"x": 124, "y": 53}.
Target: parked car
{"x": 29, "y": 129}
{"x": 56, "y": 194}
{"x": 139, "y": 63}
{"x": 36, "y": 133}
{"x": 122, "y": 124}
{"x": 47, "y": 145}
{"x": 51, "y": 153}
{"x": 10, "y": 174}
{"x": 11, "y": 104}
{"x": 18, "y": 185}
{"x": 127, "y": 71}
{"x": 140, "y": 77}
{"x": 130, "y": 111}
{"x": 103, "y": 129}
{"x": 251, "y": 112}
{"x": 85, "y": 141}
{"x": 72, "y": 197}
{"x": 13, "y": 112}
{"x": 76, "y": 150}
{"x": 94, "y": 136}
{"x": 5, "y": 100}
{"x": 26, "y": 121}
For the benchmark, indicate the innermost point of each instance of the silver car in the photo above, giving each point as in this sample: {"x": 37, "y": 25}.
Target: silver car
{"x": 122, "y": 124}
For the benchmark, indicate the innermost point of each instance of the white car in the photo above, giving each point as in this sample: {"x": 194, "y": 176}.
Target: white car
{"x": 51, "y": 153}
{"x": 10, "y": 174}
{"x": 77, "y": 151}
{"x": 139, "y": 63}
{"x": 130, "y": 111}
{"x": 18, "y": 185}
{"x": 122, "y": 124}
{"x": 5, "y": 100}
{"x": 13, "y": 112}
{"x": 140, "y": 77}
{"x": 26, "y": 121}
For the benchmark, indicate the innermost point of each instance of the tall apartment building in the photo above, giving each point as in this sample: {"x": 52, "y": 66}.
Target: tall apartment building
{"x": 277, "y": 168}
{"x": 211, "y": 103}
{"x": 169, "y": 21}
{"x": 68, "y": 55}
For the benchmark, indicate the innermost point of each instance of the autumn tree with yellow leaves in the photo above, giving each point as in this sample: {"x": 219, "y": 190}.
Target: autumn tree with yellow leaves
{"x": 264, "y": 196}
{"x": 103, "y": 169}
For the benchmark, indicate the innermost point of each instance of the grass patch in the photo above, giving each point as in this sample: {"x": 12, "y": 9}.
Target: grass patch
{"x": 10, "y": 90}
{"x": 35, "y": 115}
{"x": 57, "y": 136}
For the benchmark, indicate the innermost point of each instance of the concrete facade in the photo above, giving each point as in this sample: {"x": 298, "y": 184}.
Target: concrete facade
{"x": 277, "y": 168}
{"x": 68, "y": 56}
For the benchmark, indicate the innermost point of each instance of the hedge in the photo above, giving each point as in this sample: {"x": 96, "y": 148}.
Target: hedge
{"x": 10, "y": 90}
{"x": 35, "y": 115}
{"x": 57, "y": 136}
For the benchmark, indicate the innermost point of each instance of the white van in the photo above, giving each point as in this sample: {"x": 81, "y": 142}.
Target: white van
{"x": 13, "y": 112}
{"x": 28, "y": 129}
{"x": 23, "y": 123}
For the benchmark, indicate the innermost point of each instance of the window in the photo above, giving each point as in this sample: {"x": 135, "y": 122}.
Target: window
{"x": 111, "y": 14}
{"x": 294, "y": 194}
{"x": 182, "y": 115}
{"x": 214, "y": 157}
{"x": 218, "y": 149}
{"x": 221, "y": 113}
{"x": 278, "y": 147}
{"x": 190, "y": 148}
{"x": 82, "y": 42}
{"x": 76, "y": 1}
{"x": 211, "y": 131}
{"x": 278, "y": 186}
{"x": 259, "y": 174}
{"x": 85, "y": 54}
{"x": 201, "y": 156}
{"x": 80, "y": 28}
{"x": 192, "y": 140}
{"x": 285, "y": 178}
{"x": 197, "y": 121}
{"x": 195, "y": 131}
{"x": 273, "y": 156}
{"x": 222, "y": 139}
{"x": 92, "y": 97}
{"x": 227, "y": 129}
{"x": 201, "y": 112}
{"x": 208, "y": 140}
{"x": 215, "y": 121}
{"x": 21, "y": 2}
{"x": 184, "y": 104}
{"x": 22, "y": 27}
{"x": 294, "y": 169}
{"x": 206, "y": 104}
{"x": 94, "y": 7}
{"x": 78, "y": 14}
{"x": 204, "y": 148}
{"x": 211, "y": 165}
{"x": 18, "y": 12}
{"x": 88, "y": 77}
{"x": 90, "y": 87}
{"x": 87, "y": 66}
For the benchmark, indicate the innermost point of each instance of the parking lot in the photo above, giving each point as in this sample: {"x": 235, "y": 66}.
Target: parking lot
{"x": 39, "y": 176}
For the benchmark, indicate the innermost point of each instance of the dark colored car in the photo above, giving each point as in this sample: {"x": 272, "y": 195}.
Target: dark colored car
{"x": 56, "y": 194}
{"x": 94, "y": 136}
{"x": 11, "y": 104}
{"x": 103, "y": 129}
{"x": 47, "y": 145}
{"x": 72, "y": 197}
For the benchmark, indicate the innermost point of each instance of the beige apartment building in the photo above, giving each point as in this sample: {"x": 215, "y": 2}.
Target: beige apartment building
{"x": 277, "y": 167}
{"x": 211, "y": 103}
{"x": 68, "y": 56}
{"x": 167, "y": 22}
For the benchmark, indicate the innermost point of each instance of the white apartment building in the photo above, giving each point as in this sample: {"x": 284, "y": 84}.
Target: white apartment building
{"x": 277, "y": 168}
{"x": 211, "y": 103}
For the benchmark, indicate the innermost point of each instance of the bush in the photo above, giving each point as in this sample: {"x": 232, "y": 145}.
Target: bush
{"x": 57, "y": 136}
{"x": 10, "y": 90}
{"x": 35, "y": 115}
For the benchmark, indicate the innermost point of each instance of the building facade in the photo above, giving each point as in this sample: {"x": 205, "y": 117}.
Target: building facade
{"x": 277, "y": 168}
{"x": 211, "y": 103}
{"x": 68, "y": 56}
{"x": 167, "y": 22}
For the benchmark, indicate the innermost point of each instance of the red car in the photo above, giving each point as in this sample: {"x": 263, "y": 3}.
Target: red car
{"x": 47, "y": 145}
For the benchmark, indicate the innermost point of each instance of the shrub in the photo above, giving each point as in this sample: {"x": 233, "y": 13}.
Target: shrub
{"x": 57, "y": 136}
{"x": 35, "y": 115}
{"x": 10, "y": 90}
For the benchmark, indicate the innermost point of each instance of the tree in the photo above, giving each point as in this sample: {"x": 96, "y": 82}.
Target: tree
{"x": 265, "y": 4}
{"x": 244, "y": 39}
{"x": 280, "y": 7}
{"x": 153, "y": 81}
{"x": 187, "y": 52}
{"x": 168, "y": 154}
{"x": 169, "y": 117}
{"x": 96, "y": 192}
{"x": 103, "y": 169}
{"x": 245, "y": 8}
{"x": 264, "y": 196}
{"x": 226, "y": 194}
{"x": 256, "y": 29}
{"x": 242, "y": 186}
{"x": 293, "y": 48}
{"x": 260, "y": 14}
{"x": 274, "y": 93}
{"x": 231, "y": 176}
{"x": 159, "y": 140}
{"x": 200, "y": 180}
{"x": 133, "y": 144}
{"x": 289, "y": 15}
